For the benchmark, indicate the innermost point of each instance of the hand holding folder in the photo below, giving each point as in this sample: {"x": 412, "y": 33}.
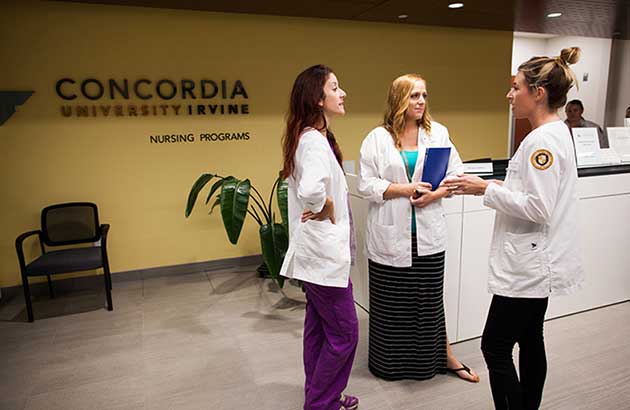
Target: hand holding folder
{"x": 435, "y": 165}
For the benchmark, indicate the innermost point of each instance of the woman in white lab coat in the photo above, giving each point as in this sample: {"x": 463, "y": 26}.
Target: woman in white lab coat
{"x": 320, "y": 238}
{"x": 406, "y": 240}
{"x": 534, "y": 251}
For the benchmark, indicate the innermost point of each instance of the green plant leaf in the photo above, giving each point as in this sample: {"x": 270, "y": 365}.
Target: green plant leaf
{"x": 274, "y": 244}
{"x": 194, "y": 191}
{"x": 283, "y": 203}
{"x": 259, "y": 201}
{"x": 234, "y": 199}
{"x": 216, "y": 203}
{"x": 215, "y": 188}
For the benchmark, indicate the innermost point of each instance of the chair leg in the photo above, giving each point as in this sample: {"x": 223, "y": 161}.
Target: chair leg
{"x": 51, "y": 293}
{"x": 108, "y": 287}
{"x": 27, "y": 298}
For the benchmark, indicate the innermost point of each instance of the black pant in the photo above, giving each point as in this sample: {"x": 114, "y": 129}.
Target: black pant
{"x": 510, "y": 321}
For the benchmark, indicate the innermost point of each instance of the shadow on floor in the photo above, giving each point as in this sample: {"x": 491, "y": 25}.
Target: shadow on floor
{"x": 63, "y": 304}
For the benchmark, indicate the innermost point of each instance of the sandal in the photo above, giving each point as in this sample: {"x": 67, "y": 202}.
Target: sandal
{"x": 466, "y": 369}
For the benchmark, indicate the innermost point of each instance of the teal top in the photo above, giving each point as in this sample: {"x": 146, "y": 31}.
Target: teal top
{"x": 412, "y": 158}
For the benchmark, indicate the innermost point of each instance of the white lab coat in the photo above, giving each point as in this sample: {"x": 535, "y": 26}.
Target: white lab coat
{"x": 535, "y": 250}
{"x": 319, "y": 251}
{"x": 388, "y": 236}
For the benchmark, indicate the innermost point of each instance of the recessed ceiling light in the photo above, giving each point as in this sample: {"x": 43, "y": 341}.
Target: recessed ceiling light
{"x": 456, "y": 5}
{"x": 403, "y": 16}
{"x": 553, "y": 15}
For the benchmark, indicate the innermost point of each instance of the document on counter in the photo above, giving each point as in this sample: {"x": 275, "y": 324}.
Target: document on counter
{"x": 619, "y": 140}
{"x": 588, "y": 152}
{"x": 478, "y": 168}
{"x": 435, "y": 165}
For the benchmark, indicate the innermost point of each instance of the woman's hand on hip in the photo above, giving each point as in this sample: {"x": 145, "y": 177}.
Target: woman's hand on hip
{"x": 327, "y": 212}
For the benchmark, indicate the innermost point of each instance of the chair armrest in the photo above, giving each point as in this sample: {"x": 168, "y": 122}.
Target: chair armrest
{"x": 19, "y": 241}
{"x": 104, "y": 230}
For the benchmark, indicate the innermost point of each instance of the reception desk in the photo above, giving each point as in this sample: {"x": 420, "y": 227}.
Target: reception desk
{"x": 604, "y": 238}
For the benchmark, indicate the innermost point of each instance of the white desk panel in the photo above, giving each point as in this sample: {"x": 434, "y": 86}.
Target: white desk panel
{"x": 453, "y": 205}
{"x": 605, "y": 248}
{"x": 359, "y": 272}
{"x": 603, "y": 185}
{"x": 452, "y": 274}
{"x": 605, "y": 237}
{"x": 474, "y": 298}
{"x": 474, "y": 203}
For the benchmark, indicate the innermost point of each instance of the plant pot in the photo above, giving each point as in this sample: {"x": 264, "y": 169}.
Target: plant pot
{"x": 263, "y": 271}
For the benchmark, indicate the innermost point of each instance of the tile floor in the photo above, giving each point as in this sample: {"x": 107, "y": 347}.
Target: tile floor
{"x": 229, "y": 340}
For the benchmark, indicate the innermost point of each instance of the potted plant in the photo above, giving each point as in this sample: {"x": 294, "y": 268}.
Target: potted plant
{"x": 238, "y": 198}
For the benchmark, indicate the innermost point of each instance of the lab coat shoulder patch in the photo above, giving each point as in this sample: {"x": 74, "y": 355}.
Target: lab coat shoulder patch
{"x": 541, "y": 159}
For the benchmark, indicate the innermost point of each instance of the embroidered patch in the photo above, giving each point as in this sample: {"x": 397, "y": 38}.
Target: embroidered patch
{"x": 541, "y": 159}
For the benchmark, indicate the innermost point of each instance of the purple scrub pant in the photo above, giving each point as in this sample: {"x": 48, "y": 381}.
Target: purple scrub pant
{"x": 331, "y": 333}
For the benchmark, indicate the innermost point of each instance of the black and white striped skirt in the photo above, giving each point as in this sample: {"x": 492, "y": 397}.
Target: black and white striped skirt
{"x": 407, "y": 326}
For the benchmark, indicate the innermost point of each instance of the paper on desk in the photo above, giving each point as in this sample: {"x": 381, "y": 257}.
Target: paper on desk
{"x": 619, "y": 139}
{"x": 588, "y": 152}
{"x": 478, "y": 168}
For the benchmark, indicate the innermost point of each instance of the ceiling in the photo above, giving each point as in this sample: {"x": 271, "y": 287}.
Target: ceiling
{"x": 589, "y": 18}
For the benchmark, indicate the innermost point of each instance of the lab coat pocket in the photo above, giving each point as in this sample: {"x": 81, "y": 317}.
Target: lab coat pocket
{"x": 323, "y": 243}
{"x": 382, "y": 239}
{"x": 522, "y": 253}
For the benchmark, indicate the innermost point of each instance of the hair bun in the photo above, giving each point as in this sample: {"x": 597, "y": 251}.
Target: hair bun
{"x": 570, "y": 55}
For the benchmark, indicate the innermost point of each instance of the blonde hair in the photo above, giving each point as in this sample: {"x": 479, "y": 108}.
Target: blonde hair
{"x": 397, "y": 104}
{"x": 553, "y": 74}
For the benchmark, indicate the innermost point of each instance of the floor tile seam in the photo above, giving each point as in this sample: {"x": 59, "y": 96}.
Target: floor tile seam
{"x": 242, "y": 353}
{"x": 78, "y": 386}
{"x": 55, "y": 335}
{"x": 105, "y": 378}
{"x": 145, "y": 384}
{"x": 92, "y": 360}
{"x": 25, "y": 394}
{"x": 175, "y": 290}
{"x": 27, "y": 402}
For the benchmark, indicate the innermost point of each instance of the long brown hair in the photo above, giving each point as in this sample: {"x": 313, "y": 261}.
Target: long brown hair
{"x": 397, "y": 105}
{"x": 304, "y": 111}
{"x": 553, "y": 74}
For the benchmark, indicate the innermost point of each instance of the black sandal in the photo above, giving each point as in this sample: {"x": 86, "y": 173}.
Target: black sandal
{"x": 465, "y": 369}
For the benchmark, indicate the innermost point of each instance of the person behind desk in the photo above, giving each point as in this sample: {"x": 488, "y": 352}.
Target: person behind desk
{"x": 574, "y": 110}
{"x": 321, "y": 238}
{"x": 534, "y": 251}
{"x": 406, "y": 240}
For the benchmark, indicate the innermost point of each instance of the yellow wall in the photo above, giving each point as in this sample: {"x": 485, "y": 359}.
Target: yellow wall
{"x": 141, "y": 187}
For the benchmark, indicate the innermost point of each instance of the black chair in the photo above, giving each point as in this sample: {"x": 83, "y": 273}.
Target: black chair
{"x": 66, "y": 224}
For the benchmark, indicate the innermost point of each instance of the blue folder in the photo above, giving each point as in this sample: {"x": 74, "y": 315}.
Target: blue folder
{"x": 435, "y": 165}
